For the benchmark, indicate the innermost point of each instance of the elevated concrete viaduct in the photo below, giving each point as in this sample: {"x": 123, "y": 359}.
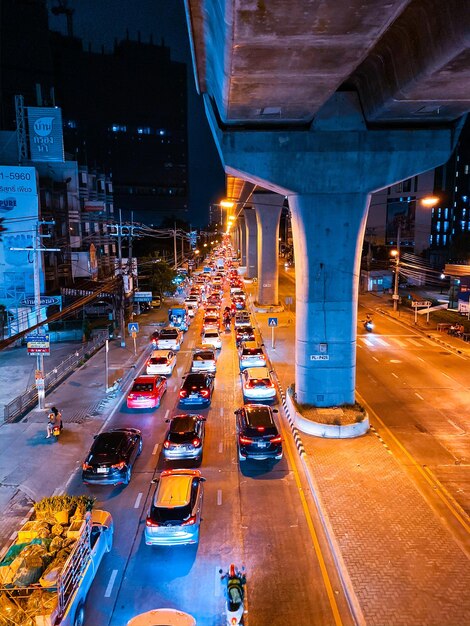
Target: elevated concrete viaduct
{"x": 326, "y": 102}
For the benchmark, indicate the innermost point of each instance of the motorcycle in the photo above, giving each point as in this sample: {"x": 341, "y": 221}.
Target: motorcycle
{"x": 369, "y": 326}
{"x": 227, "y": 323}
{"x": 234, "y": 582}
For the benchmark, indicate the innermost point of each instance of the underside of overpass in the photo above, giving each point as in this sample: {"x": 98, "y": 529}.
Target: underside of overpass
{"x": 326, "y": 102}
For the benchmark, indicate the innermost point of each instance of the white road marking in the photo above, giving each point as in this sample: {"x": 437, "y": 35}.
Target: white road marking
{"x": 420, "y": 397}
{"x": 221, "y": 446}
{"x": 402, "y": 344}
{"x": 359, "y": 345}
{"x": 13, "y": 535}
{"x": 218, "y": 584}
{"x": 375, "y": 359}
{"x": 415, "y": 343}
{"x": 368, "y": 342}
{"x": 109, "y": 588}
{"x": 221, "y": 411}
{"x": 167, "y": 413}
{"x": 219, "y": 496}
{"x": 456, "y": 426}
{"x": 394, "y": 361}
{"x": 137, "y": 500}
{"x": 420, "y": 359}
{"x": 446, "y": 375}
{"x": 381, "y": 341}
{"x": 393, "y": 374}
{"x": 155, "y": 449}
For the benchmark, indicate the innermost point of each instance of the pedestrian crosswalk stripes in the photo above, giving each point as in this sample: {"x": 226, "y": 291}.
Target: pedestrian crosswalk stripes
{"x": 391, "y": 341}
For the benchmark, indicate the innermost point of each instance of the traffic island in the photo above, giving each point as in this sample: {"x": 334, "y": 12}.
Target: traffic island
{"x": 268, "y": 308}
{"x": 341, "y": 422}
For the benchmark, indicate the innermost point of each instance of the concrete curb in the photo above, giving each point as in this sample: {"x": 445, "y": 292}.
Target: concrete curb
{"x": 326, "y": 431}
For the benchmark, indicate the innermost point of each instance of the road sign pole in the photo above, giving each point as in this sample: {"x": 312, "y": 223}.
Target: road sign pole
{"x": 416, "y": 314}
{"x": 106, "y": 365}
{"x": 272, "y": 336}
{"x": 135, "y": 346}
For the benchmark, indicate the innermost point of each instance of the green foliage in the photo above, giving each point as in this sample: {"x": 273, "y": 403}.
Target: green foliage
{"x": 159, "y": 275}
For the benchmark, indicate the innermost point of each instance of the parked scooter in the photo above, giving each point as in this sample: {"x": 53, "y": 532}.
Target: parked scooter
{"x": 234, "y": 582}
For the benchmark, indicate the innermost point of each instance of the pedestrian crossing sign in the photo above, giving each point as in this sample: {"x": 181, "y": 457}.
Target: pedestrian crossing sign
{"x": 272, "y": 321}
{"x": 133, "y": 327}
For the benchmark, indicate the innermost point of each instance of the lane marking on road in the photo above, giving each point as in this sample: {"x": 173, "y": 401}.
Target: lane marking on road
{"x": 375, "y": 359}
{"x": 109, "y": 588}
{"x": 446, "y": 375}
{"x": 415, "y": 343}
{"x": 137, "y": 500}
{"x": 218, "y": 584}
{"x": 219, "y": 497}
{"x": 12, "y": 536}
{"x": 368, "y": 342}
{"x": 221, "y": 447}
{"x": 221, "y": 411}
{"x": 315, "y": 541}
{"x": 393, "y": 374}
{"x": 155, "y": 449}
{"x": 167, "y": 413}
{"x": 439, "y": 489}
{"x": 420, "y": 359}
{"x": 457, "y": 427}
{"x": 381, "y": 341}
{"x": 420, "y": 397}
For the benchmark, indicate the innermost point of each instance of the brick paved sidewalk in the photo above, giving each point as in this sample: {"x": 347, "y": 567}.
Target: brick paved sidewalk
{"x": 404, "y": 565}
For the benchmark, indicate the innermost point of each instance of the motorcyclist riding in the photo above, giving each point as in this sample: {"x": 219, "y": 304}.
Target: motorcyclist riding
{"x": 234, "y": 591}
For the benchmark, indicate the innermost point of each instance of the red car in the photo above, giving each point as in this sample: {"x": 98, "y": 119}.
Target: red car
{"x": 146, "y": 392}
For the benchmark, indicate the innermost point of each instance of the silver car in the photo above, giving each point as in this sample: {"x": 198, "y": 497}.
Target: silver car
{"x": 251, "y": 355}
{"x": 175, "y": 513}
{"x": 204, "y": 360}
{"x": 170, "y": 339}
{"x": 184, "y": 438}
{"x": 161, "y": 362}
{"x": 257, "y": 384}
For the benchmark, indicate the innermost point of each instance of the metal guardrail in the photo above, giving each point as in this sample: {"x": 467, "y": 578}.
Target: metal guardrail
{"x": 19, "y": 405}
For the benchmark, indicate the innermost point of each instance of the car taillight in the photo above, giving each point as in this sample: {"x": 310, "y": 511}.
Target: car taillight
{"x": 269, "y": 384}
{"x": 119, "y": 466}
{"x": 149, "y": 522}
{"x": 249, "y": 385}
{"x": 86, "y": 466}
{"x": 196, "y": 442}
{"x": 204, "y": 393}
{"x": 190, "y": 521}
{"x": 131, "y": 396}
{"x": 276, "y": 439}
{"x": 234, "y": 621}
{"x": 245, "y": 440}
{"x": 166, "y": 444}
{"x": 183, "y": 393}
{"x": 260, "y": 429}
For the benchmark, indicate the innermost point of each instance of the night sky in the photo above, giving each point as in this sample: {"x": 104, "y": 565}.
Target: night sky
{"x": 100, "y": 22}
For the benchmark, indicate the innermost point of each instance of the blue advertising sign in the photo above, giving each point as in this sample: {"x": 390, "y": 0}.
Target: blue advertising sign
{"x": 46, "y": 142}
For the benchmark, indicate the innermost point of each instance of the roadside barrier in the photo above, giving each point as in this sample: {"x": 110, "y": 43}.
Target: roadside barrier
{"x": 21, "y": 404}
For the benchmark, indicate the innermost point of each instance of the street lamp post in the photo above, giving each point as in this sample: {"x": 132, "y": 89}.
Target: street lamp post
{"x": 396, "y": 254}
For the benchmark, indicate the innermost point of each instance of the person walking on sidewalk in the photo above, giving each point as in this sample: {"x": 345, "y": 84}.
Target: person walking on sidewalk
{"x": 55, "y": 421}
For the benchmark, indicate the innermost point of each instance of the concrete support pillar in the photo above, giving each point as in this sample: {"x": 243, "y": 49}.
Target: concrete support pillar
{"x": 268, "y": 212}
{"x": 242, "y": 239}
{"x": 251, "y": 243}
{"x": 327, "y": 230}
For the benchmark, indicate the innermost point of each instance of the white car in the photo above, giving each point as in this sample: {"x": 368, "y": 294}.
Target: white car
{"x": 251, "y": 355}
{"x": 161, "y": 362}
{"x": 242, "y": 319}
{"x": 170, "y": 339}
{"x": 257, "y": 384}
{"x": 204, "y": 360}
{"x": 211, "y": 337}
{"x": 192, "y": 308}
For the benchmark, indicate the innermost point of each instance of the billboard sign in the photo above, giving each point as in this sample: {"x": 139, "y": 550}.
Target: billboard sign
{"x": 38, "y": 344}
{"x": 93, "y": 206}
{"x": 46, "y": 142}
{"x": 19, "y": 208}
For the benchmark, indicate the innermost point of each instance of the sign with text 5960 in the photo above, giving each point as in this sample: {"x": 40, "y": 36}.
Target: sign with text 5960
{"x": 38, "y": 344}
{"x": 16, "y": 181}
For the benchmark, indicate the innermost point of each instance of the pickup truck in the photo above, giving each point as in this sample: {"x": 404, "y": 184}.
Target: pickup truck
{"x": 46, "y": 583}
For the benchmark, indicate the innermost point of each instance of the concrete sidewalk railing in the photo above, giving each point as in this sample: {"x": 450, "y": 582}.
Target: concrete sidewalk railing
{"x": 21, "y": 404}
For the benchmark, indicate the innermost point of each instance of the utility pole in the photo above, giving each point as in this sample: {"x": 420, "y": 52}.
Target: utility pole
{"x": 397, "y": 265}
{"x": 122, "y": 327}
{"x": 174, "y": 247}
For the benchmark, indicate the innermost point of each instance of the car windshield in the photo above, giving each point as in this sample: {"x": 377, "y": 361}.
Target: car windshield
{"x": 142, "y": 387}
{"x": 252, "y": 351}
{"x": 159, "y": 360}
{"x": 176, "y": 514}
{"x": 168, "y": 334}
{"x": 211, "y": 334}
{"x": 182, "y": 429}
{"x": 194, "y": 382}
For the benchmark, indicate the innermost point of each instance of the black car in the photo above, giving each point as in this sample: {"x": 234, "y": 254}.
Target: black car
{"x": 184, "y": 438}
{"x": 112, "y": 457}
{"x": 244, "y": 333}
{"x": 196, "y": 390}
{"x": 258, "y": 436}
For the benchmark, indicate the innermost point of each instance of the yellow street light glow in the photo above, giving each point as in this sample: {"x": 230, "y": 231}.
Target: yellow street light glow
{"x": 429, "y": 201}
{"x": 393, "y": 252}
{"x": 227, "y": 204}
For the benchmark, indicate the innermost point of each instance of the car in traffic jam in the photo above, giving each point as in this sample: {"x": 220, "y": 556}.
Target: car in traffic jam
{"x": 196, "y": 390}
{"x": 184, "y": 438}
{"x": 112, "y": 456}
{"x": 146, "y": 392}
